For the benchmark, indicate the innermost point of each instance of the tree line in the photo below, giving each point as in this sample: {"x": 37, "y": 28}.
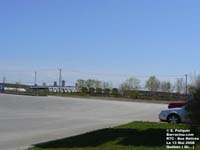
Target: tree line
{"x": 133, "y": 84}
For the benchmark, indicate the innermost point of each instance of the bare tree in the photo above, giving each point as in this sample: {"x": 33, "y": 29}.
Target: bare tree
{"x": 107, "y": 85}
{"x": 97, "y": 84}
{"x": 90, "y": 83}
{"x": 194, "y": 83}
{"x": 179, "y": 85}
{"x": 165, "y": 86}
{"x": 130, "y": 84}
{"x": 152, "y": 83}
{"x": 17, "y": 86}
{"x": 195, "y": 80}
{"x": 80, "y": 83}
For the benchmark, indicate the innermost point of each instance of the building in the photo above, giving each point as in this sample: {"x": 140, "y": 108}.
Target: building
{"x": 63, "y": 83}
{"x": 55, "y": 84}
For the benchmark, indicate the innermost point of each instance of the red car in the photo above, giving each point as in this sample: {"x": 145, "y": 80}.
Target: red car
{"x": 177, "y": 104}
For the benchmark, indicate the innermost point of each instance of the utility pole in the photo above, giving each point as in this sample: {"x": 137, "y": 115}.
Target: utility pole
{"x": 4, "y": 80}
{"x": 186, "y": 84}
{"x": 35, "y": 81}
{"x": 60, "y": 78}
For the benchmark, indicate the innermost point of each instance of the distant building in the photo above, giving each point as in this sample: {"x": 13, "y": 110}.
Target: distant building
{"x": 63, "y": 83}
{"x": 55, "y": 84}
{"x": 44, "y": 84}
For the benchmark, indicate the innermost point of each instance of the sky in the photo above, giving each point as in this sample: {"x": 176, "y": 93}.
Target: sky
{"x": 102, "y": 39}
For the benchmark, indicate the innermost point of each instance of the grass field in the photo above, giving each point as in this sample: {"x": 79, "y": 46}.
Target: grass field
{"x": 131, "y": 136}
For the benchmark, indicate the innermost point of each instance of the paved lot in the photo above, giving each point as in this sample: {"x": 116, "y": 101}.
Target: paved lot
{"x": 25, "y": 120}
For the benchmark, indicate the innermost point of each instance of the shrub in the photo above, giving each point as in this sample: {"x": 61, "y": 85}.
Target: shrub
{"x": 194, "y": 108}
{"x": 133, "y": 94}
{"x": 84, "y": 90}
{"x": 106, "y": 92}
{"x": 91, "y": 91}
{"x": 99, "y": 91}
{"x": 115, "y": 92}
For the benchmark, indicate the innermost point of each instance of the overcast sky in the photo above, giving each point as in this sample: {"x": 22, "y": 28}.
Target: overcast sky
{"x": 102, "y": 39}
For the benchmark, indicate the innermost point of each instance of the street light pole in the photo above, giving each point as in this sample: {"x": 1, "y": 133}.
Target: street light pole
{"x": 60, "y": 78}
{"x": 186, "y": 84}
{"x": 35, "y": 80}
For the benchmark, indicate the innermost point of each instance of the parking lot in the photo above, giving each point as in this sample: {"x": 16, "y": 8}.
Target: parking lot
{"x": 25, "y": 120}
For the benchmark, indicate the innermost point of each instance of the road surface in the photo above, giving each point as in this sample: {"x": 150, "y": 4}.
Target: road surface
{"x": 25, "y": 120}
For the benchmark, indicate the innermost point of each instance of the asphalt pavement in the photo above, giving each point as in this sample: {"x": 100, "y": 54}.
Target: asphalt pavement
{"x": 26, "y": 120}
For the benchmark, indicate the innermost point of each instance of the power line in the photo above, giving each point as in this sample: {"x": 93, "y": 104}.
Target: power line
{"x": 92, "y": 73}
{"x": 47, "y": 69}
{"x": 118, "y": 74}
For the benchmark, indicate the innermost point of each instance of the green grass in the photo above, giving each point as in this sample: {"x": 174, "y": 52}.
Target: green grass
{"x": 131, "y": 136}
